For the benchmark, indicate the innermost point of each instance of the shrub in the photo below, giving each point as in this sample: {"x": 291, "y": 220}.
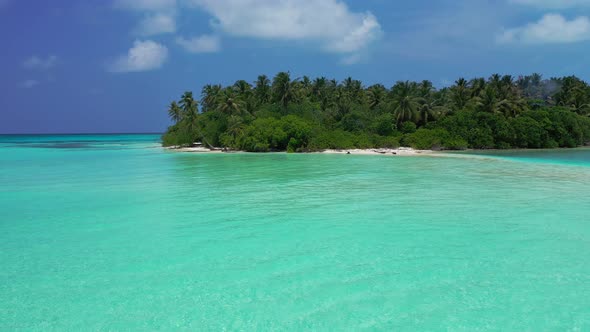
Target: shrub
{"x": 408, "y": 127}
{"x": 177, "y": 136}
{"x": 390, "y": 142}
{"x": 528, "y": 133}
{"x": 298, "y": 131}
{"x": 332, "y": 139}
{"x": 436, "y": 139}
{"x": 264, "y": 135}
{"x": 383, "y": 125}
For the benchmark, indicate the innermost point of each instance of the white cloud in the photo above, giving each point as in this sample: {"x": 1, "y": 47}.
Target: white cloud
{"x": 358, "y": 37}
{"x": 155, "y": 24}
{"x": 148, "y": 5}
{"x": 160, "y": 15}
{"x": 28, "y": 84}
{"x": 553, "y": 4}
{"x": 351, "y": 59}
{"x": 329, "y": 23}
{"x": 143, "y": 56}
{"x": 200, "y": 44}
{"x": 35, "y": 62}
{"x": 551, "y": 28}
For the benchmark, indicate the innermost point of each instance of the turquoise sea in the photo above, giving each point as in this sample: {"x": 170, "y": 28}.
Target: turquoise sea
{"x": 113, "y": 233}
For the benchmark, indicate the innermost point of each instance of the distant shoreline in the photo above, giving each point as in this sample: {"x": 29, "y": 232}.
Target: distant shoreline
{"x": 402, "y": 151}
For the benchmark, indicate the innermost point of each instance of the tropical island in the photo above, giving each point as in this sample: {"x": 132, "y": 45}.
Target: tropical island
{"x": 306, "y": 115}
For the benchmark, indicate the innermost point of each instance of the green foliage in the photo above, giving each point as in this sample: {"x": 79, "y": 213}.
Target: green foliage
{"x": 408, "y": 127}
{"x": 383, "y": 125}
{"x": 390, "y": 142}
{"x": 355, "y": 121}
{"x": 436, "y": 139}
{"x": 298, "y": 131}
{"x": 334, "y": 139}
{"x": 177, "y": 135}
{"x": 528, "y": 133}
{"x": 298, "y": 115}
{"x": 289, "y": 133}
{"x": 263, "y": 135}
{"x": 569, "y": 129}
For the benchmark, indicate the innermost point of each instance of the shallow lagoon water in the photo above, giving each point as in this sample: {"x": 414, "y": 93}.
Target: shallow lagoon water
{"x": 114, "y": 233}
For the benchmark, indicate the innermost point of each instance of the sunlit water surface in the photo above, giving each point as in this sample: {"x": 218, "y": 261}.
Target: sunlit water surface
{"x": 114, "y": 233}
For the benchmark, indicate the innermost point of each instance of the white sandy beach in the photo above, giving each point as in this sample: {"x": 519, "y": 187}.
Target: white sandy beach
{"x": 402, "y": 151}
{"x": 193, "y": 149}
{"x": 392, "y": 152}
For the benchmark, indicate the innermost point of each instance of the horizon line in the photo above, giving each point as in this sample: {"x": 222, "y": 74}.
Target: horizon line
{"x": 126, "y": 133}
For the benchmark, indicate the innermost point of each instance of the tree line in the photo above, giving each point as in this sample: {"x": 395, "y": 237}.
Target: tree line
{"x": 304, "y": 114}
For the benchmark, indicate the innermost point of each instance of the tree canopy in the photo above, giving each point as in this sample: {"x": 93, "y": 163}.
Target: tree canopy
{"x": 304, "y": 114}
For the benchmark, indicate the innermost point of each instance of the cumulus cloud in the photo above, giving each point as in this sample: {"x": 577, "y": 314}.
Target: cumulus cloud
{"x": 200, "y": 44}
{"x": 40, "y": 63}
{"x": 143, "y": 56}
{"x": 553, "y": 4}
{"x": 329, "y": 23}
{"x": 155, "y": 24}
{"x": 551, "y": 28}
{"x": 28, "y": 84}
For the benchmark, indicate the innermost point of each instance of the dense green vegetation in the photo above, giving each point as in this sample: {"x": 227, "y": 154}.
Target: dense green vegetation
{"x": 298, "y": 115}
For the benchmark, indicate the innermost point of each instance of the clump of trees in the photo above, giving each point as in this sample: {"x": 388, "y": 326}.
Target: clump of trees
{"x": 299, "y": 115}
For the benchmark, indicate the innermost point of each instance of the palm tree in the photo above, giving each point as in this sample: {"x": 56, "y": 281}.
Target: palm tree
{"x": 243, "y": 93}
{"x": 318, "y": 89}
{"x": 490, "y": 102}
{"x": 573, "y": 93}
{"x": 353, "y": 89}
{"x": 579, "y": 101}
{"x": 347, "y": 84}
{"x": 405, "y": 103}
{"x": 283, "y": 89}
{"x": 305, "y": 86}
{"x": 523, "y": 83}
{"x": 189, "y": 106}
{"x": 229, "y": 103}
{"x": 357, "y": 91}
{"x": 337, "y": 103}
{"x": 429, "y": 110}
{"x": 376, "y": 95}
{"x": 487, "y": 100}
{"x": 235, "y": 126}
{"x": 209, "y": 95}
{"x": 495, "y": 79}
{"x": 537, "y": 86}
{"x": 507, "y": 90}
{"x": 243, "y": 89}
{"x": 460, "y": 94}
{"x": 190, "y": 115}
{"x": 425, "y": 88}
{"x": 175, "y": 112}
{"x": 262, "y": 89}
{"x": 511, "y": 106}
{"x": 477, "y": 86}
{"x": 536, "y": 79}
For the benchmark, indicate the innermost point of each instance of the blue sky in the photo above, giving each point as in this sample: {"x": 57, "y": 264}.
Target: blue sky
{"x": 114, "y": 65}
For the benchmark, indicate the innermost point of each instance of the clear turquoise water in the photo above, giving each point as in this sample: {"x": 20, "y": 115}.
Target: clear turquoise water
{"x": 112, "y": 233}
